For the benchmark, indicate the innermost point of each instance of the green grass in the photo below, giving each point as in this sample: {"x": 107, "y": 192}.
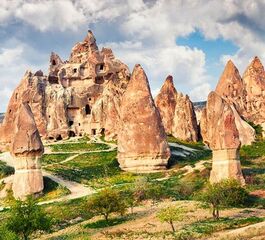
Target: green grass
{"x": 209, "y": 226}
{"x": 52, "y": 190}
{"x": 54, "y": 158}
{"x": 5, "y": 170}
{"x": 253, "y": 151}
{"x": 253, "y": 165}
{"x": 79, "y": 146}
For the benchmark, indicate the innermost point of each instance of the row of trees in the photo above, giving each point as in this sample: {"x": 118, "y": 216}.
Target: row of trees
{"x": 26, "y": 217}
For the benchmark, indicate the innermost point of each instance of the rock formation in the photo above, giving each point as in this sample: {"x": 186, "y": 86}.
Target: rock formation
{"x": 26, "y": 149}
{"x": 233, "y": 90}
{"x": 184, "y": 123}
{"x": 254, "y": 84}
{"x": 142, "y": 144}
{"x": 177, "y": 112}
{"x": 246, "y": 93}
{"x": 62, "y": 102}
{"x": 220, "y": 132}
{"x": 166, "y": 101}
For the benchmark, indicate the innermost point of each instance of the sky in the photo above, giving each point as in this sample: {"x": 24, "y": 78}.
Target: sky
{"x": 188, "y": 39}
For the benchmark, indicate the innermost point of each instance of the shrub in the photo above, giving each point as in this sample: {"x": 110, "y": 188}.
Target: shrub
{"x": 106, "y": 202}
{"x": 225, "y": 194}
{"x": 171, "y": 214}
{"x": 26, "y": 217}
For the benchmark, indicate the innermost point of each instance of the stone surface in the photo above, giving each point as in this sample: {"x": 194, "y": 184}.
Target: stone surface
{"x": 63, "y": 101}
{"x": 220, "y": 132}
{"x": 177, "y": 112}
{"x": 26, "y": 149}
{"x": 166, "y": 101}
{"x": 142, "y": 144}
{"x": 184, "y": 123}
{"x": 246, "y": 93}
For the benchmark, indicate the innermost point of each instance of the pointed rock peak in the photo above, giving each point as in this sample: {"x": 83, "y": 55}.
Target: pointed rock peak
{"x": 256, "y": 63}
{"x": 229, "y": 81}
{"x": 27, "y": 141}
{"x": 139, "y": 80}
{"x": 168, "y": 85}
{"x": 55, "y": 59}
{"x": 90, "y": 38}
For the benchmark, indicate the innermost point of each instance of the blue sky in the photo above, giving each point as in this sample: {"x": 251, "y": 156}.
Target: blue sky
{"x": 191, "y": 40}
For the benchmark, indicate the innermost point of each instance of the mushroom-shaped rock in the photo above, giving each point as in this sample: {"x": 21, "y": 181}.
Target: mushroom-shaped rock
{"x": 142, "y": 144}
{"x": 166, "y": 103}
{"x": 223, "y": 138}
{"x": 26, "y": 149}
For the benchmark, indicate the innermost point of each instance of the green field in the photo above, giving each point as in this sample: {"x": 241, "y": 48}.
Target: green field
{"x": 79, "y": 146}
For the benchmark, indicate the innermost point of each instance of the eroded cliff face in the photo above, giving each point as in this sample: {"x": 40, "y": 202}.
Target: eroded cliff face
{"x": 177, "y": 112}
{"x": 63, "y": 101}
{"x": 142, "y": 143}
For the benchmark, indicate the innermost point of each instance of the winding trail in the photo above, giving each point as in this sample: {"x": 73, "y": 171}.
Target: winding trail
{"x": 79, "y": 190}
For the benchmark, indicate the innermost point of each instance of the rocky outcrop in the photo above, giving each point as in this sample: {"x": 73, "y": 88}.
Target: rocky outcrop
{"x": 246, "y": 93}
{"x": 219, "y": 130}
{"x": 142, "y": 144}
{"x": 26, "y": 149}
{"x": 62, "y": 102}
{"x": 230, "y": 86}
{"x": 254, "y": 84}
{"x": 32, "y": 91}
{"x": 177, "y": 112}
{"x": 166, "y": 101}
{"x": 184, "y": 123}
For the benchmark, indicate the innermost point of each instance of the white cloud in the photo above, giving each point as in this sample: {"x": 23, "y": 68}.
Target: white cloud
{"x": 148, "y": 32}
{"x": 185, "y": 64}
{"x": 200, "y": 92}
{"x": 13, "y": 64}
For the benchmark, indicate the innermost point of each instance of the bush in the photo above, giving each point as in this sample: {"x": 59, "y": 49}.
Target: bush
{"x": 171, "y": 214}
{"x": 26, "y": 217}
{"x": 106, "y": 202}
{"x": 225, "y": 194}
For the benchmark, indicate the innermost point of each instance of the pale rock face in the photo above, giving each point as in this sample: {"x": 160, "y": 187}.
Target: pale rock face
{"x": 254, "y": 83}
{"x": 220, "y": 132}
{"x": 106, "y": 109}
{"x": 246, "y": 132}
{"x": 177, "y": 112}
{"x": 246, "y": 93}
{"x": 142, "y": 144}
{"x": 62, "y": 102}
{"x": 184, "y": 123}
{"x": 166, "y": 102}
{"x": 230, "y": 86}
{"x": 31, "y": 90}
{"x": 26, "y": 149}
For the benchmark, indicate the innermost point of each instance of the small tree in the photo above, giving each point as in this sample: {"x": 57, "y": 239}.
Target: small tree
{"x": 171, "y": 214}
{"x": 26, "y": 217}
{"x": 225, "y": 194}
{"x": 106, "y": 202}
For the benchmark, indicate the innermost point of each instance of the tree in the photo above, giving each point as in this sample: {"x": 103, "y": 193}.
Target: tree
{"x": 106, "y": 202}
{"x": 225, "y": 194}
{"x": 171, "y": 214}
{"x": 26, "y": 217}
{"x": 156, "y": 192}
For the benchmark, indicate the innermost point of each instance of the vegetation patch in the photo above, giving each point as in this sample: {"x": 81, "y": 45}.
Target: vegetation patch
{"x": 196, "y": 145}
{"x": 52, "y": 190}
{"x": 79, "y": 146}
{"x": 54, "y": 158}
{"x": 5, "y": 170}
